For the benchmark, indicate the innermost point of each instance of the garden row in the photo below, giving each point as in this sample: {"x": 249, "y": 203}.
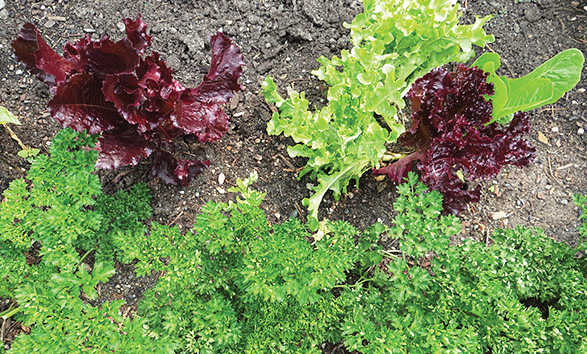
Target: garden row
{"x": 234, "y": 283}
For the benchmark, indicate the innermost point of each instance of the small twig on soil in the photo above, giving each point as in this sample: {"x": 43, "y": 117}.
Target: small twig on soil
{"x": 120, "y": 175}
{"x": 564, "y": 167}
{"x": 392, "y": 253}
{"x": 299, "y": 212}
{"x": 15, "y": 137}
{"x": 562, "y": 24}
{"x": 487, "y": 236}
{"x": 272, "y": 107}
{"x": 569, "y": 9}
{"x": 580, "y": 41}
{"x": 71, "y": 35}
{"x": 20, "y": 169}
{"x": 175, "y": 219}
{"x": 2, "y": 331}
{"x": 551, "y": 109}
{"x": 126, "y": 312}
{"x": 289, "y": 164}
{"x": 551, "y": 175}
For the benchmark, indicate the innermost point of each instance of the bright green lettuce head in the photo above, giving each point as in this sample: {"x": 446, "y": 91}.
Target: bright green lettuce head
{"x": 395, "y": 42}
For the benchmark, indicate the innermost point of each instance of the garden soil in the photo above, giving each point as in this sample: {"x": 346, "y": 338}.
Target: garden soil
{"x": 283, "y": 38}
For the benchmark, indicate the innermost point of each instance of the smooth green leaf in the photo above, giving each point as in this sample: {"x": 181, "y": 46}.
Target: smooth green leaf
{"x": 7, "y": 117}
{"x": 545, "y": 85}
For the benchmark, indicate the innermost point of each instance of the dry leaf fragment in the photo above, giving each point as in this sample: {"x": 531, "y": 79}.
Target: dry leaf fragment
{"x": 542, "y": 138}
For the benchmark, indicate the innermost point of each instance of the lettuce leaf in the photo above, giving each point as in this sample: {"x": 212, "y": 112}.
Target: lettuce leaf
{"x": 7, "y": 117}
{"x": 545, "y": 85}
{"x": 454, "y": 143}
{"x": 394, "y": 43}
{"x": 131, "y": 99}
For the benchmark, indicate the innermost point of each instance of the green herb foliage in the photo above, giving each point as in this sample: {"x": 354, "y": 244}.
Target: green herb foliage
{"x": 235, "y": 284}
{"x": 58, "y": 209}
{"x": 523, "y": 294}
{"x": 394, "y": 43}
{"x": 545, "y": 85}
{"x": 581, "y": 202}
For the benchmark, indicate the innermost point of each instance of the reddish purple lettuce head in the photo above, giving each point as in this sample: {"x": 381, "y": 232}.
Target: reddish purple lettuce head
{"x": 454, "y": 142}
{"x": 112, "y": 88}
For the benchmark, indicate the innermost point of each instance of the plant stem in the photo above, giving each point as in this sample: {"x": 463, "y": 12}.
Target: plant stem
{"x": 9, "y": 313}
{"x": 12, "y": 165}
{"x": 84, "y": 256}
{"x": 391, "y": 253}
{"x": 15, "y": 137}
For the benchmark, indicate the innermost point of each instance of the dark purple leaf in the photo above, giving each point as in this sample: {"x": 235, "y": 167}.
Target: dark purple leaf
{"x": 207, "y": 121}
{"x": 79, "y": 103}
{"x": 159, "y": 95}
{"x": 108, "y": 87}
{"x": 121, "y": 148}
{"x": 123, "y": 90}
{"x": 226, "y": 67}
{"x": 452, "y": 137}
{"x": 136, "y": 32}
{"x": 177, "y": 171}
{"x": 154, "y": 72}
{"x": 398, "y": 170}
{"x": 198, "y": 111}
{"x": 103, "y": 57}
{"x": 42, "y": 61}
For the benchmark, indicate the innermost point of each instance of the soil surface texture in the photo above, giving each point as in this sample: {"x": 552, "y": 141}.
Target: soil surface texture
{"x": 283, "y": 38}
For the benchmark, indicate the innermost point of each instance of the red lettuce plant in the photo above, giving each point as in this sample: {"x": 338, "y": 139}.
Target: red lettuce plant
{"x": 112, "y": 88}
{"x": 455, "y": 143}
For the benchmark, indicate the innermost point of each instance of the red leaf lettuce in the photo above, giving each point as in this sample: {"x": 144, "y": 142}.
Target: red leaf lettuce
{"x": 455, "y": 143}
{"x": 112, "y": 88}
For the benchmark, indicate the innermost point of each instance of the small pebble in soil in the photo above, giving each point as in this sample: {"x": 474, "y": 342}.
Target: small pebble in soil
{"x": 580, "y": 131}
{"x": 498, "y": 215}
{"x": 554, "y": 129}
{"x": 564, "y": 202}
{"x": 293, "y": 214}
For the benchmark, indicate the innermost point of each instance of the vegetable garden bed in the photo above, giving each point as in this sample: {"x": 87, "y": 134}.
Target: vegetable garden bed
{"x": 82, "y": 252}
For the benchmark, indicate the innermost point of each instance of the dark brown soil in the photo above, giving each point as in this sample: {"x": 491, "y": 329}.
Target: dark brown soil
{"x": 283, "y": 38}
